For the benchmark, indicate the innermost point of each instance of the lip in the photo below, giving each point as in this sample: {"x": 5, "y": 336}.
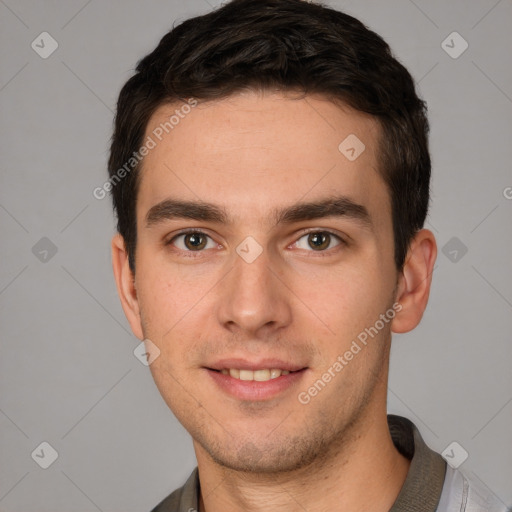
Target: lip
{"x": 251, "y": 390}
{"x": 260, "y": 364}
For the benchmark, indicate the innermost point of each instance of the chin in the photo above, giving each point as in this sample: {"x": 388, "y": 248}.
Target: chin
{"x": 280, "y": 456}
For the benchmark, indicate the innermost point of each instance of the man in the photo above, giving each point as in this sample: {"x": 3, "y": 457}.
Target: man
{"x": 270, "y": 173}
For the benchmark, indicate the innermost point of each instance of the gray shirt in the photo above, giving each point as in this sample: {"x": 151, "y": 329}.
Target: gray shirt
{"x": 430, "y": 486}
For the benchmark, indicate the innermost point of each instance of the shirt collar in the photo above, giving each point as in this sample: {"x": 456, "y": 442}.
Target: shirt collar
{"x": 420, "y": 492}
{"x": 423, "y": 485}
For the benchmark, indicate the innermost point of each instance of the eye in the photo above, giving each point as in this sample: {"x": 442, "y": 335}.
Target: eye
{"x": 318, "y": 241}
{"x": 192, "y": 241}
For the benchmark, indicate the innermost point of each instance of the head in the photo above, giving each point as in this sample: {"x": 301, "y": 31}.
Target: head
{"x": 270, "y": 212}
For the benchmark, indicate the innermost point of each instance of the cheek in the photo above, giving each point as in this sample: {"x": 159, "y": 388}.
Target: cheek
{"x": 174, "y": 310}
{"x": 346, "y": 299}
{"x": 176, "y": 389}
{"x": 168, "y": 294}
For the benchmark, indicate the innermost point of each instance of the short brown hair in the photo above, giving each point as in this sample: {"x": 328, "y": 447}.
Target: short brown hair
{"x": 287, "y": 45}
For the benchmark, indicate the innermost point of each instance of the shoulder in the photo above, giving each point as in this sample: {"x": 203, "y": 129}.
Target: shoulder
{"x": 463, "y": 493}
{"x": 171, "y": 503}
{"x": 183, "y": 499}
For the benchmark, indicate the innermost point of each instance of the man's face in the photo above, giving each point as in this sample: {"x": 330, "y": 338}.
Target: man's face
{"x": 265, "y": 287}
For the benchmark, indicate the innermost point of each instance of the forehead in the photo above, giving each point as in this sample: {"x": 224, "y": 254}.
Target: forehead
{"x": 252, "y": 151}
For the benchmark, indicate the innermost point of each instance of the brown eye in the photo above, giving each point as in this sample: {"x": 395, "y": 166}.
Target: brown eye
{"x": 195, "y": 241}
{"x": 192, "y": 241}
{"x": 318, "y": 241}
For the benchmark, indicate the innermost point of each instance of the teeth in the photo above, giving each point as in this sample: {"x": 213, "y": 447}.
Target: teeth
{"x": 275, "y": 373}
{"x": 261, "y": 375}
{"x": 257, "y": 375}
{"x": 246, "y": 375}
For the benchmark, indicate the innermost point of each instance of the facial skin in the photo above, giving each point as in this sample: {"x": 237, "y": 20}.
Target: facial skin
{"x": 251, "y": 155}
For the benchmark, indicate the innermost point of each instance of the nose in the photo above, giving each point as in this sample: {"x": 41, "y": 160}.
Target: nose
{"x": 254, "y": 299}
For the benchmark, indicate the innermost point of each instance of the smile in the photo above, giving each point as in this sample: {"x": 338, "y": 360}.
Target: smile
{"x": 256, "y": 384}
{"x": 258, "y": 375}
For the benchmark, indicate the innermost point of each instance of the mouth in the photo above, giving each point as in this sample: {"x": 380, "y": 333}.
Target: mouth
{"x": 247, "y": 381}
{"x": 257, "y": 375}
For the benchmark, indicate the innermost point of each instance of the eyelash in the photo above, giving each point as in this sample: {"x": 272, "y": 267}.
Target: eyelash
{"x": 195, "y": 254}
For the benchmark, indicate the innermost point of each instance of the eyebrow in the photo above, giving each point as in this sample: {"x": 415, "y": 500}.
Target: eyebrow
{"x": 341, "y": 206}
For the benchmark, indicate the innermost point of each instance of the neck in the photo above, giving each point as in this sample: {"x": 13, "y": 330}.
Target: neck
{"x": 365, "y": 472}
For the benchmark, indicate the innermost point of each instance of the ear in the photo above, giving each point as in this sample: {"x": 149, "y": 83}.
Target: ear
{"x": 125, "y": 282}
{"x": 414, "y": 281}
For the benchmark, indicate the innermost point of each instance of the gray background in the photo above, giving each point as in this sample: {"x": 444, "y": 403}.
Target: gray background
{"x": 68, "y": 374}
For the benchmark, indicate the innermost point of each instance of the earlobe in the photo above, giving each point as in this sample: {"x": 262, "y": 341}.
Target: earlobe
{"x": 415, "y": 281}
{"x": 125, "y": 283}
